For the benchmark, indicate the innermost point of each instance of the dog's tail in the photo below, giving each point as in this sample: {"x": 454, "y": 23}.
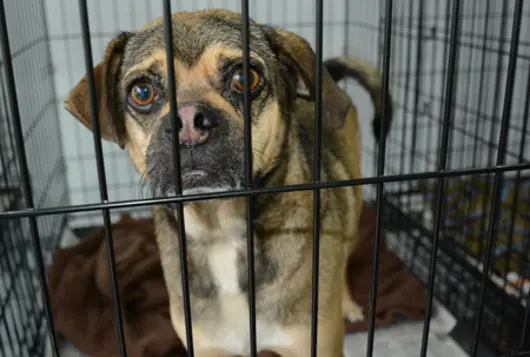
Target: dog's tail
{"x": 370, "y": 78}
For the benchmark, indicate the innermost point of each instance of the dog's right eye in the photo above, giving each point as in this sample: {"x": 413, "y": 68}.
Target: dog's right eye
{"x": 142, "y": 95}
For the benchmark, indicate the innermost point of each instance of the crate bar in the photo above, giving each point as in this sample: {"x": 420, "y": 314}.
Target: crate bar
{"x": 450, "y": 89}
{"x": 317, "y": 155}
{"x": 87, "y": 49}
{"x": 418, "y": 84}
{"x": 247, "y": 112}
{"x": 464, "y": 130}
{"x": 524, "y": 332}
{"x": 175, "y": 127}
{"x": 495, "y": 103}
{"x": 499, "y": 72}
{"x": 522, "y": 147}
{"x": 521, "y": 159}
{"x": 35, "y": 212}
{"x": 387, "y": 49}
{"x": 467, "y": 93}
{"x": 406, "y": 42}
{"x": 501, "y": 154}
{"x": 24, "y": 171}
{"x": 476, "y": 135}
{"x": 480, "y": 97}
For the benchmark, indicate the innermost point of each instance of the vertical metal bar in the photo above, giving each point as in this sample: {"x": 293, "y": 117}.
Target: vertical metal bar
{"x": 442, "y": 158}
{"x": 24, "y": 171}
{"x": 417, "y": 85}
{"x": 467, "y": 93}
{"x": 522, "y": 149}
{"x": 175, "y": 125}
{"x": 94, "y": 113}
{"x": 316, "y": 172}
{"x": 387, "y": 50}
{"x": 465, "y": 135}
{"x": 480, "y": 97}
{"x": 501, "y": 153}
{"x": 408, "y": 63}
{"x": 247, "y": 112}
{"x": 479, "y": 136}
{"x": 495, "y": 103}
{"x": 481, "y": 93}
{"x": 513, "y": 209}
{"x": 524, "y": 332}
{"x": 346, "y": 34}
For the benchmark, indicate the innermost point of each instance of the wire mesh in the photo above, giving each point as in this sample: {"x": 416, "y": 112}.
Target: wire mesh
{"x": 482, "y": 85}
{"x": 35, "y": 126}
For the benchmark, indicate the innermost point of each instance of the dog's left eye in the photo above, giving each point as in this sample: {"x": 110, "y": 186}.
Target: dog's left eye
{"x": 238, "y": 80}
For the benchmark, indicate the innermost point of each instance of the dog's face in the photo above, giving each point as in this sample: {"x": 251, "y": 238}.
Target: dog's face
{"x": 133, "y": 98}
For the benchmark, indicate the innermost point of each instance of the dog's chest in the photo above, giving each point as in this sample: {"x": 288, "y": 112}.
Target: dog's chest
{"x": 224, "y": 263}
{"x": 225, "y": 259}
{"x": 232, "y": 331}
{"x": 223, "y": 255}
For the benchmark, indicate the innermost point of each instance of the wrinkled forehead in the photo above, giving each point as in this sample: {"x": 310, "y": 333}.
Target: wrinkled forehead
{"x": 192, "y": 37}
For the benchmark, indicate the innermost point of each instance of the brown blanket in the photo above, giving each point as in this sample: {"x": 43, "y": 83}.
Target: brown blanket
{"x": 82, "y": 304}
{"x": 399, "y": 293}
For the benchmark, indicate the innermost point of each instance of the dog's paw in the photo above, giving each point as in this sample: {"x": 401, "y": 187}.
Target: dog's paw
{"x": 353, "y": 313}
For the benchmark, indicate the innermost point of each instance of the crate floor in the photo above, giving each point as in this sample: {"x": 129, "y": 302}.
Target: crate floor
{"x": 403, "y": 340}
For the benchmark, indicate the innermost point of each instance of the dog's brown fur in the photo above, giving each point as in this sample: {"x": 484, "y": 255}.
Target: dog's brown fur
{"x": 282, "y": 140}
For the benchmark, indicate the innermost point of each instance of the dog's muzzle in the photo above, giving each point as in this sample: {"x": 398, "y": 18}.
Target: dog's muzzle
{"x": 196, "y": 123}
{"x": 210, "y": 146}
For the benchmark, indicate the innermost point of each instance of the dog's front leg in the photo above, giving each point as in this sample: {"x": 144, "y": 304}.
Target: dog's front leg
{"x": 330, "y": 332}
{"x": 330, "y": 337}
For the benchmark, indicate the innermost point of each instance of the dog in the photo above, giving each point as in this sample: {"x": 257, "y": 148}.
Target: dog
{"x": 133, "y": 107}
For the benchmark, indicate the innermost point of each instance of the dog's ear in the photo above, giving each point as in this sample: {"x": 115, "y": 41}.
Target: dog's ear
{"x": 295, "y": 52}
{"x": 106, "y": 79}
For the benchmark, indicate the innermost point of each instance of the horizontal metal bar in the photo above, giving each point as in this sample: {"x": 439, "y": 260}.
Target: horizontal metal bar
{"x": 257, "y": 191}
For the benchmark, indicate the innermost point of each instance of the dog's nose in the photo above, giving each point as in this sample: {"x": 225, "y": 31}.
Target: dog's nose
{"x": 195, "y": 125}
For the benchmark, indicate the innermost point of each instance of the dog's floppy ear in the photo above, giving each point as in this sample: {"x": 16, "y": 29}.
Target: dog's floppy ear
{"x": 296, "y": 53}
{"x": 105, "y": 78}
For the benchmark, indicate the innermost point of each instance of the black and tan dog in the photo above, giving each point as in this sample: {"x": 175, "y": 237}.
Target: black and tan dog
{"x": 134, "y": 112}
